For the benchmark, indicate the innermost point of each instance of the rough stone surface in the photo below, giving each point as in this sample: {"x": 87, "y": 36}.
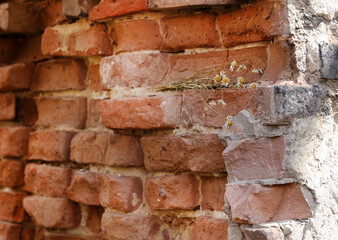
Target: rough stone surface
{"x": 59, "y": 74}
{"x": 210, "y": 228}
{"x": 11, "y": 208}
{"x": 172, "y": 192}
{"x": 53, "y": 212}
{"x": 212, "y": 190}
{"x": 120, "y": 192}
{"x": 125, "y": 227}
{"x": 11, "y": 173}
{"x": 61, "y": 111}
{"x": 255, "y": 204}
{"x": 49, "y": 145}
{"x": 255, "y": 158}
{"x": 13, "y": 141}
{"x": 47, "y": 180}
{"x": 84, "y": 188}
{"x": 199, "y": 153}
{"x": 142, "y": 112}
{"x": 272, "y": 233}
{"x": 328, "y": 60}
{"x": 106, "y": 148}
{"x": 7, "y": 106}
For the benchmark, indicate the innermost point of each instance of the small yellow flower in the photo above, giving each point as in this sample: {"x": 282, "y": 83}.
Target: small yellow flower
{"x": 241, "y": 67}
{"x": 253, "y": 85}
{"x": 217, "y": 79}
{"x": 233, "y": 65}
{"x": 240, "y": 79}
{"x": 229, "y": 121}
{"x": 225, "y": 81}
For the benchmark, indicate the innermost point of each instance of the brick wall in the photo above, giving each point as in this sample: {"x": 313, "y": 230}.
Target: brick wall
{"x": 90, "y": 150}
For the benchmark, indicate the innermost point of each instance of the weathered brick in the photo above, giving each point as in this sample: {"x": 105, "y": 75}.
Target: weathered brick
{"x": 256, "y": 158}
{"x": 13, "y": 141}
{"x": 263, "y": 233}
{"x": 50, "y": 13}
{"x": 93, "y": 115}
{"x": 124, "y": 227}
{"x": 93, "y": 222}
{"x": 19, "y": 17}
{"x": 26, "y": 111}
{"x": 47, "y": 180}
{"x": 142, "y": 112}
{"x": 134, "y": 70}
{"x": 77, "y": 39}
{"x": 140, "y": 70}
{"x": 212, "y": 190}
{"x": 7, "y": 106}
{"x": 113, "y": 8}
{"x": 209, "y": 108}
{"x": 106, "y": 148}
{"x": 53, "y": 212}
{"x": 11, "y": 208}
{"x": 262, "y": 21}
{"x": 30, "y": 50}
{"x": 61, "y": 111}
{"x": 11, "y": 173}
{"x": 255, "y": 204}
{"x": 95, "y": 81}
{"x": 210, "y": 228}
{"x": 134, "y": 35}
{"x": 59, "y": 74}
{"x": 84, "y": 188}
{"x": 164, "y": 4}
{"x": 10, "y": 231}
{"x": 328, "y": 60}
{"x": 172, "y": 192}
{"x": 189, "y": 32}
{"x": 78, "y": 8}
{"x": 16, "y": 76}
{"x": 28, "y": 233}
{"x": 197, "y": 152}
{"x": 120, "y": 192}
{"x": 49, "y": 145}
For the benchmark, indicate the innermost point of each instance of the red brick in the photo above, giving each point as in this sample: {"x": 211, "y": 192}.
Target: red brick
{"x": 199, "y": 153}
{"x": 255, "y": 22}
{"x": 120, "y": 192}
{"x": 61, "y": 111}
{"x": 11, "y": 208}
{"x": 134, "y": 70}
{"x": 78, "y": 8}
{"x": 19, "y": 17}
{"x": 113, "y": 8}
{"x": 255, "y": 203}
{"x": 7, "y": 106}
{"x": 256, "y": 158}
{"x": 10, "y": 231}
{"x": 28, "y": 234}
{"x": 203, "y": 107}
{"x": 106, "y": 148}
{"x": 210, "y": 228}
{"x": 53, "y": 212}
{"x": 84, "y": 188}
{"x": 93, "y": 115}
{"x": 49, "y": 145}
{"x": 93, "y": 222}
{"x": 13, "y": 141}
{"x": 77, "y": 39}
{"x": 212, "y": 190}
{"x": 172, "y": 192}
{"x": 8, "y": 50}
{"x": 59, "y": 74}
{"x": 30, "y": 50}
{"x": 164, "y": 4}
{"x": 142, "y": 112}
{"x": 26, "y": 111}
{"x": 143, "y": 34}
{"x": 16, "y": 76}
{"x": 189, "y": 32}
{"x": 124, "y": 227}
{"x": 47, "y": 180}
{"x": 11, "y": 173}
{"x": 95, "y": 81}
{"x": 50, "y": 13}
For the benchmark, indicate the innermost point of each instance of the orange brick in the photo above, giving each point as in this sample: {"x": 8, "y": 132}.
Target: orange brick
{"x": 210, "y": 228}
{"x": 11, "y": 208}
{"x": 212, "y": 190}
{"x": 16, "y": 76}
{"x": 10, "y": 231}
{"x": 50, "y": 13}
{"x": 164, "y": 4}
{"x": 13, "y": 141}
{"x": 7, "y": 106}
{"x": 93, "y": 115}
{"x": 11, "y": 173}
